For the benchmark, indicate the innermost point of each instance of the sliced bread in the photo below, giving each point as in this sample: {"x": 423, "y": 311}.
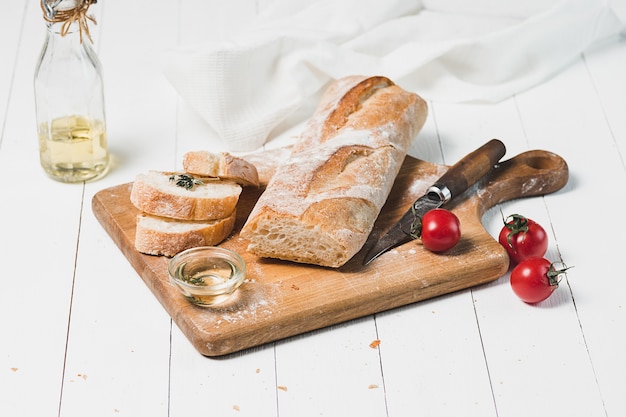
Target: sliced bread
{"x": 163, "y": 236}
{"x": 222, "y": 165}
{"x": 164, "y": 194}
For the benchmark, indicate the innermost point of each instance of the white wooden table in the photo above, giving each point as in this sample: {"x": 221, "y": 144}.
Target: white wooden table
{"x": 83, "y": 336}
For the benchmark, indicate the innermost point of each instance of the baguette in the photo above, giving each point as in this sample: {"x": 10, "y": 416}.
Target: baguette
{"x": 222, "y": 165}
{"x": 267, "y": 161}
{"x": 155, "y": 193}
{"x": 321, "y": 204}
{"x": 162, "y": 236}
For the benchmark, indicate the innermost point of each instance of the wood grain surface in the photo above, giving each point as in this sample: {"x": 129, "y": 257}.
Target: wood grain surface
{"x": 280, "y": 299}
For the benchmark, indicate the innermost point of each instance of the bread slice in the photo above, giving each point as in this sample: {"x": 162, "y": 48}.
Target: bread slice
{"x": 163, "y": 236}
{"x": 222, "y": 165}
{"x": 157, "y": 193}
{"x": 321, "y": 204}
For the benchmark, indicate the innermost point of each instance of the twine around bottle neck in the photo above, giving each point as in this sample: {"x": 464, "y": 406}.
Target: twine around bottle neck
{"x": 67, "y": 17}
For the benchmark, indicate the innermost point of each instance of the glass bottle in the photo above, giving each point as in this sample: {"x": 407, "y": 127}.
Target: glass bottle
{"x": 69, "y": 96}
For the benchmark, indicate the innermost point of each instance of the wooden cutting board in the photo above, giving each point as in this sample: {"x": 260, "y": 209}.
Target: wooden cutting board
{"x": 280, "y": 299}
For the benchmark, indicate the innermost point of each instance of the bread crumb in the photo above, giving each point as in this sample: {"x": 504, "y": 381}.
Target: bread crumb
{"x": 236, "y": 407}
{"x": 372, "y": 386}
{"x": 282, "y": 388}
{"x": 375, "y": 344}
{"x": 14, "y": 369}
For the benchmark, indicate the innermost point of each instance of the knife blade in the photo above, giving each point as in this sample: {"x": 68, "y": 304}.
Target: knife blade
{"x": 454, "y": 182}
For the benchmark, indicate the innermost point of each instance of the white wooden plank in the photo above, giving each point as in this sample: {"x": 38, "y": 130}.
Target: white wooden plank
{"x": 39, "y": 229}
{"x": 119, "y": 341}
{"x": 502, "y": 121}
{"x": 446, "y": 373}
{"x": 333, "y": 371}
{"x": 11, "y": 22}
{"x": 463, "y": 128}
{"x": 140, "y": 103}
{"x": 242, "y": 383}
{"x": 34, "y": 301}
{"x": 607, "y": 66}
{"x": 597, "y": 162}
{"x": 546, "y": 343}
{"x": 432, "y": 358}
{"x": 119, "y": 338}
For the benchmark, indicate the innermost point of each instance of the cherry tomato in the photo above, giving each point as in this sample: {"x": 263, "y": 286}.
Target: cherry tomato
{"x": 535, "y": 279}
{"x": 523, "y": 238}
{"x": 440, "y": 230}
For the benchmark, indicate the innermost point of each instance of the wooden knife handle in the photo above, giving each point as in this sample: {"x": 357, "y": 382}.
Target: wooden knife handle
{"x": 470, "y": 169}
{"x": 529, "y": 174}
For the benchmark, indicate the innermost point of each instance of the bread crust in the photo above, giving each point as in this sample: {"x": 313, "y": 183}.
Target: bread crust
{"x": 153, "y": 193}
{"x": 320, "y": 206}
{"x": 162, "y": 236}
{"x": 267, "y": 161}
{"x": 222, "y": 165}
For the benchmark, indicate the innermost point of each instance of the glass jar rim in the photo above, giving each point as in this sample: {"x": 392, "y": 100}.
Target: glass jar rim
{"x": 236, "y": 262}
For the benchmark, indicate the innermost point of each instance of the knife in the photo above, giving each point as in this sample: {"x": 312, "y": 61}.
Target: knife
{"x": 454, "y": 182}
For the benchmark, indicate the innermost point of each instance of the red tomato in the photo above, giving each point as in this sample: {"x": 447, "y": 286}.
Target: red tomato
{"x": 441, "y": 230}
{"x": 523, "y": 238}
{"x": 535, "y": 279}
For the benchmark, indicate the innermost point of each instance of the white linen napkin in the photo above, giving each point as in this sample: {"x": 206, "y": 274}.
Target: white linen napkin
{"x": 444, "y": 50}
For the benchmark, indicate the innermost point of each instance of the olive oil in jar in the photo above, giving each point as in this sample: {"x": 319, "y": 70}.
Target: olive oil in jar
{"x": 205, "y": 280}
{"x": 208, "y": 275}
{"x": 73, "y": 148}
{"x": 69, "y": 95}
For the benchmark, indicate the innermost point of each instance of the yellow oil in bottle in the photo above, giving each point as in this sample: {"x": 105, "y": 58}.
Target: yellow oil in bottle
{"x": 73, "y": 148}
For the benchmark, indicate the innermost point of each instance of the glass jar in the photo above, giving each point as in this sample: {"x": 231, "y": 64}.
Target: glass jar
{"x": 69, "y": 96}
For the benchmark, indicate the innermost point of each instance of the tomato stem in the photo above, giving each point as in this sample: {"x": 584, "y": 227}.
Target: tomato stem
{"x": 554, "y": 274}
{"x": 516, "y": 223}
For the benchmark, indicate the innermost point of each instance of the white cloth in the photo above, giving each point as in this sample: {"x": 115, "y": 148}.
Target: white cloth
{"x": 444, "y": 50}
